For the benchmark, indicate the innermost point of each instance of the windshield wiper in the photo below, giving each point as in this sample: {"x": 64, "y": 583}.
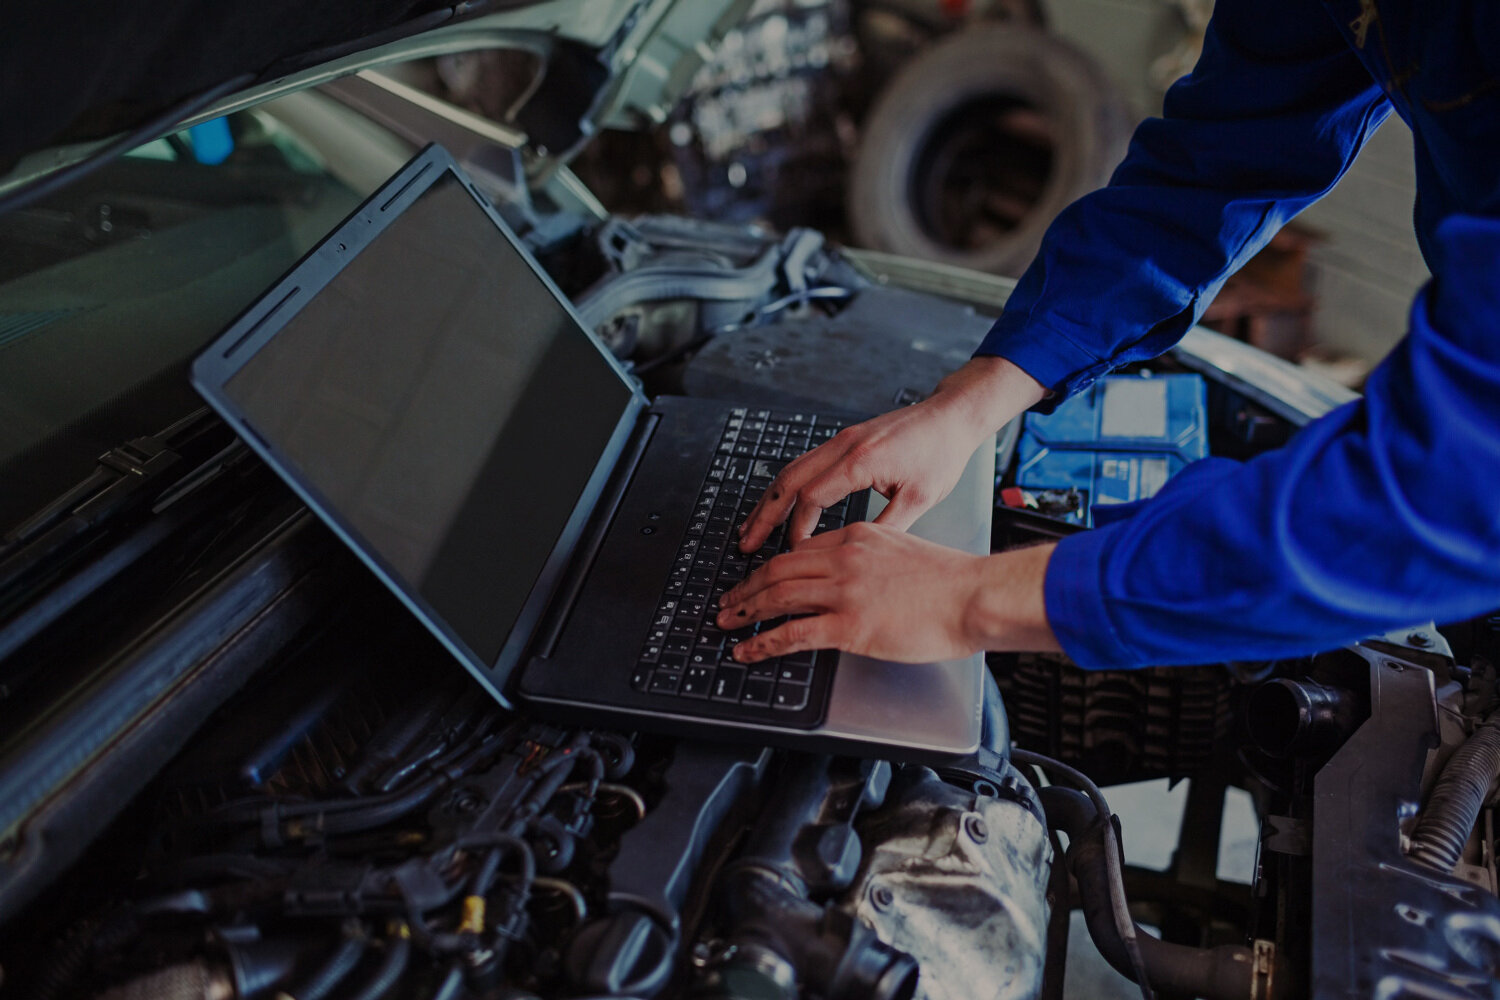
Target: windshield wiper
{"x": 140, "y": 477}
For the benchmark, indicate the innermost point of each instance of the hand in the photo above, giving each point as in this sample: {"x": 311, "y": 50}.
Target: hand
{"x": 877, "y": 591}
{"x": 912, "y": 456}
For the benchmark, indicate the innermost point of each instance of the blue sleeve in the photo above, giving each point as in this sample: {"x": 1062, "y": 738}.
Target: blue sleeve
{"x": 1270, "y": 119}
{"x": 1384, "y": 513}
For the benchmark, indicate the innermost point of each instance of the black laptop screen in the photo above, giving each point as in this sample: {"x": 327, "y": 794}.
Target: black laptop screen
{"x": 445, "y": 405}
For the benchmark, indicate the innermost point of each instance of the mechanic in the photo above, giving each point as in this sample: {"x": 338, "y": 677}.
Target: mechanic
{"x": 1383, "y": 513}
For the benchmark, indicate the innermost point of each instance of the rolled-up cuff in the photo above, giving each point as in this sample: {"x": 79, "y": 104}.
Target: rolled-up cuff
{"x": 1046, "y": 355}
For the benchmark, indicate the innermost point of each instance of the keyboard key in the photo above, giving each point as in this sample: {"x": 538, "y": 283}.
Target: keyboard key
{"x": 672, "y": 661}
{"x": 806, "y": 657}
{"x": 663, "y": 682}
{"x": 794, "y": 673}
{"x": 728, "y": 681}
{"x": 640, "y": 678}
{"x": 790, "y": 697}
{"x": 757, "y": 691}
{"x": 696, "y": 681}
{"x": 679, "y": 644}
{"x": 651, "y": 652}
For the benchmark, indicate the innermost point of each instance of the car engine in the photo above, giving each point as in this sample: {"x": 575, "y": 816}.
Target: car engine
{"x": 256, "y": 776}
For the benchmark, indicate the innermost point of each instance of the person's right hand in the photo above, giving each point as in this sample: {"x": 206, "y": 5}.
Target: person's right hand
{"x": 912, "y": 456}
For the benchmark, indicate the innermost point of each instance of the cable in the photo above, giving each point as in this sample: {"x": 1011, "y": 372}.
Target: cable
{"x": 42, "y": 186}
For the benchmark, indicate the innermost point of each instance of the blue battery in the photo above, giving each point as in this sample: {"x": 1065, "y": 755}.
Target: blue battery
{"x": 1118, "y": 441}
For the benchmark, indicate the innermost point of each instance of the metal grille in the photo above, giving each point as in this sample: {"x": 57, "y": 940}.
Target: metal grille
{"x": 1117, "y": 726}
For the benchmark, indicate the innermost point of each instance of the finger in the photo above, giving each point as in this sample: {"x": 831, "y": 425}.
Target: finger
{"x": 906, "y": 505}
{"x": 787, "y": 566}
{"x": 827, "y": 540}
{"x": 772, "y": 508}
{"x": 817, "y": 632}
{"x": 821, "y": 492}
{"x": 789, "y": 597}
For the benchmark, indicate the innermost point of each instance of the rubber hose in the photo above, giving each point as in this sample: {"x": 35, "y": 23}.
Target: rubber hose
{"x": 1223, "y": 973}
{"x": 333, "y": 971}
{"x": 1453, "y": 807}
{"x": 500, "y": 844}
{"x": 397, "y": 952}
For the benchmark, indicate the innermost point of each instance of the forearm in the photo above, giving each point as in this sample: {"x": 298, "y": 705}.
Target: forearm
{"x": 1269, "y": 120}
{"x": 985, "y": 394}
{"x": 1380, "y": 515}
{"x": 1006, "y": 610}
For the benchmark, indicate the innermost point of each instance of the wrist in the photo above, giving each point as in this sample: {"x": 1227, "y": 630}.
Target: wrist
{"x": 986, "y": 392}
{"x": 1006, "y": 608}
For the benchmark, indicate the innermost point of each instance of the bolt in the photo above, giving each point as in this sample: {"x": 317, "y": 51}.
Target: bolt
{"x": 985, "y": 789}
{"x": 975, "y": 827}
{"x": 882, "y": 897}
{"x": 1418, "y": 639}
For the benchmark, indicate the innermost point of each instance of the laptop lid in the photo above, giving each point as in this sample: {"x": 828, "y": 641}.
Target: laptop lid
{"x": 422, "y": 384}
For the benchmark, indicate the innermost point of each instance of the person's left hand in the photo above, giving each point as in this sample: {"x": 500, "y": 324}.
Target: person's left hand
{"x": 870, "y": 589}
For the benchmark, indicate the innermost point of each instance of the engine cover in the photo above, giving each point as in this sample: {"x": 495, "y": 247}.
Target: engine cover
{"x": 886, "y": 349}
{"x": 958, "y": 880}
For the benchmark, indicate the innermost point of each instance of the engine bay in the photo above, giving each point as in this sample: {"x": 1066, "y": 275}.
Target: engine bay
{"x": 255, "y": 776}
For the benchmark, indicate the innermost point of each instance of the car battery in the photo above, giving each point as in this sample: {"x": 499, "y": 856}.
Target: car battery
{"x": 1118, "y": 441}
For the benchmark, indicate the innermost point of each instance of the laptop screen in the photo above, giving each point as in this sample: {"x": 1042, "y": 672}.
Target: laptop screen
{"x": 446, "y": 404}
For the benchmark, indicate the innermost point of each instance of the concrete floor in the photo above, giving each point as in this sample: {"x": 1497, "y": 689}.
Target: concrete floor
{"x": 1149, "y": 816}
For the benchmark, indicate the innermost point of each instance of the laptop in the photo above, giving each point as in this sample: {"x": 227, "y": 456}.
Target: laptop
{"x": 421, "y": 383}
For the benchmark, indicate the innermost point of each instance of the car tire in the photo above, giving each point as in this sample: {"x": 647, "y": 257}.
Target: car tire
{"x": 975, "y": 146}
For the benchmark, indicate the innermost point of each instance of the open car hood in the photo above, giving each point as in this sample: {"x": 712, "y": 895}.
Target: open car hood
{"x": 75, "y": 76}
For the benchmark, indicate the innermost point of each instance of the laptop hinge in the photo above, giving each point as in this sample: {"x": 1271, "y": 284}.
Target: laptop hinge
{"x": 593, "y": 538}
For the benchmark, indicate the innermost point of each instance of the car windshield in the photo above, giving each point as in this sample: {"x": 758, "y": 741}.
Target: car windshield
{"x": 109, "y": 286}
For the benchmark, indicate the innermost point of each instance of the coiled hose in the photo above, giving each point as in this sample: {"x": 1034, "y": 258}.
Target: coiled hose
{"x": 1453, "y": 807}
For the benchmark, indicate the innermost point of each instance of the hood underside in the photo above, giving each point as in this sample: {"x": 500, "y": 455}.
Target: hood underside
{"x": 84, "y": 71}
{"x": 73, "y": 72}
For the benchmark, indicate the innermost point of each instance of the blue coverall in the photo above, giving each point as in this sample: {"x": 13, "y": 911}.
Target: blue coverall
{"x": 1385, "y": 512}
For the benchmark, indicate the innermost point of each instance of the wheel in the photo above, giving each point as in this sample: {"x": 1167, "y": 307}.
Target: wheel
{"x": 974, "y": 147}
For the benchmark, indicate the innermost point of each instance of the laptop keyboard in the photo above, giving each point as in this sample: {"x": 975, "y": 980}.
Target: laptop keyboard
{"x": 686, "y": 655}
